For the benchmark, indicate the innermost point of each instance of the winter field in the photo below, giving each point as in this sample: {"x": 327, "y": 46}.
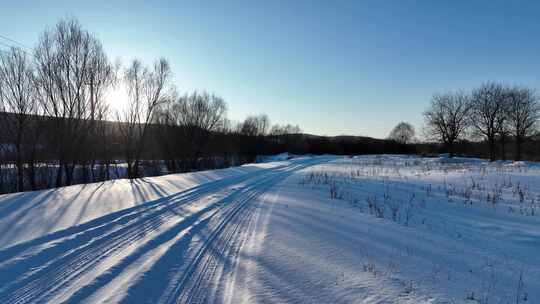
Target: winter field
{"x": 326, "y": 229}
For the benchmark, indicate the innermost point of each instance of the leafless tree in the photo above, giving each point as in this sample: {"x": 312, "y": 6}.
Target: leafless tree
{"x": 65, "y": 72}
{"x": 101, "y": 77}
{"x": 523, "y": 112}
{"x": 255, "y": 125}
{"x": 403, "y": 133}
{"x": 103, "y": 134}
{"x": 35, "y": 147}
{"x": 488, "y": 113}
{"x": 263, "y": 124}
{"x": 170, "y": 139}
{"x": 199, "y": 115}
{"x": 147, "y": 90}
{"x": 17, "y": 97}
{"x": 284, "y": 130}
{"x": 446, "y": 118}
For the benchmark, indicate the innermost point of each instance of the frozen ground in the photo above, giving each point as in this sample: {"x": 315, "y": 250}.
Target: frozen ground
{"x": 370, "y": 229}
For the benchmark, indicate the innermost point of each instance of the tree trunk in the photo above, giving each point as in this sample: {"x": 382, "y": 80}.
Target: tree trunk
{"x": 69, "y": 173}
{"x": 32, "y": 175}
{"x": 450, "y": 147}
{"x": 107, "y": 170}
{"x": 20, "y": 176}
{"x": 59, "y": 175}
{"x": 85, "y": 173}
{"x": 19, "y": 165}
{"x": 503, "y": 147}
{"x": 129, "y": 173}
{"x": 92, "y": 166}
{"x": 519, "y": 142}
{"x": 491, "y": 149}
{"x": 135, "y": 169}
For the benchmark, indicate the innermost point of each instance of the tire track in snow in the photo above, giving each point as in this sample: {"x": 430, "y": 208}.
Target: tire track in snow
{"x": 195, "y": 283}
{"x": 60, "y": 272}
{"x": 135, "y": 260}
{"x": 187, "y": 266}
{"x": 13, "y": 254}
{"x": 223, "y": 242}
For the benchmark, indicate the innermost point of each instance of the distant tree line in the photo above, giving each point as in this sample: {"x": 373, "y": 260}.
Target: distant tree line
{"x": 490, "y": 118}
{"x": 494, "y": 121}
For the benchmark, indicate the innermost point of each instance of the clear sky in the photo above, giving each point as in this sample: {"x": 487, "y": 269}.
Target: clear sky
{"x": 333, "y": 67}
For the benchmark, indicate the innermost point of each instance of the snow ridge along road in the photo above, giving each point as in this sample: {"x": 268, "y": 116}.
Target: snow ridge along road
{"x": 178, "y": 249}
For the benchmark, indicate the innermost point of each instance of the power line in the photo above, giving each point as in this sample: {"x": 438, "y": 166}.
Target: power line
{"x": 5, "y": 45}
{"x": 12, "y": 46}
{"x": 14, "y": 41}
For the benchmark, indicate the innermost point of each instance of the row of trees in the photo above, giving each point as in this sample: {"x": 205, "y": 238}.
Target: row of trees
{"x": 55, "y": 111}
{"x": 493, "y": 113}
{"x": 53, "y": 102}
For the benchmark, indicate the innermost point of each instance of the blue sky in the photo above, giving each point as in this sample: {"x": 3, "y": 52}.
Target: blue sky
{"x": 333, "y": 67}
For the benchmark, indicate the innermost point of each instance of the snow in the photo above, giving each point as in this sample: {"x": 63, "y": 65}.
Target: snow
{"x": 328, "y": 229}
{"x": 29, "y": 215}
{"x": 273, "y": 158}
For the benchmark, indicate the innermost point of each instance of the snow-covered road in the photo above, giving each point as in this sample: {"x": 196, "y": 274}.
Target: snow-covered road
{"x": 182, "y": 248}
{"x": 371, "y": 229}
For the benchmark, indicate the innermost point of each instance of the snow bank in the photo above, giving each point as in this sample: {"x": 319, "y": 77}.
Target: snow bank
{"x": 39, "y": 213}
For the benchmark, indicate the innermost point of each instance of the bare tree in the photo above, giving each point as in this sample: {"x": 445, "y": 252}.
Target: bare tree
{"x": 169, "y": 135}
{"x": 403, "y": 133}
{"x": 447, "y": 118}
{"x": 103, "y": 134}
{"x": 35, "y": 146}
{"x": 101, "y": 77}
{"x": 255, "y": 125}
{"x": 284, "y": 130}
{"x": 64, "y": 75}
{"x": 523, "y": 112}
{"x": 488, "y": 113}
{"x": 147, "y": 89}
{"x": 199, "y": 115}
{"x": 17, "y": 97}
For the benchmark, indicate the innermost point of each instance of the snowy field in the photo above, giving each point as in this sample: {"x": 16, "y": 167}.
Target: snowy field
{"x": 367, "y": 229}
